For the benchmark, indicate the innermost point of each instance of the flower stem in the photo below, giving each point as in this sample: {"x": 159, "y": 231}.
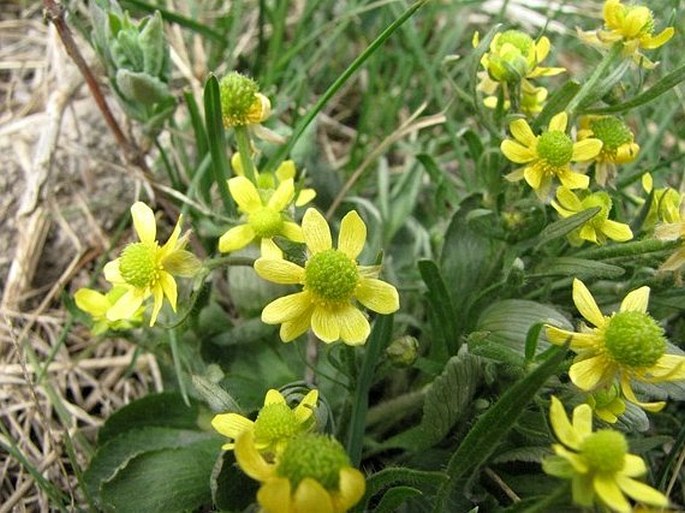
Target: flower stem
{"x": 242, "y": 139}
{"x": 213, "y": 263}
{"x": 591, "y": 83}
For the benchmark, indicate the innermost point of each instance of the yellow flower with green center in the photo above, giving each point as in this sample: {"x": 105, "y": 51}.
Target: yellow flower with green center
{"x": 548, "y": 156}
{"x": 264, "y": 219}
{"x": 276, "y": 423}
{"x": 270, "y": 181}
{"x": 241, "y": 102}
{"x": 618, "y": 144}
{"x": 514, "y": 55}
{"x": 97, "y": 305}
{"x": 597, "y": 463}
{"x": 633, "y": 26}
{"x": 313, "y": 474}
{"x": 666, "y": 204}
{"x": 596, "y": 229}
{"x": 145, "y": 269}
{"x": 332, "y": 281}
{"x": 626, "y": 346}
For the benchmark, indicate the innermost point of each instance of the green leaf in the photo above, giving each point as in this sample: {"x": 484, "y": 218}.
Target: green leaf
{"x": 555, "y": 104}
{"x": 217, "y": 140}
{"x": 507, "y": 324}
{"x": 485, "y": 435}
{"x": 449, "y": 397}
{"x": 395, "y": 497}
{"x": 114, "y": 455}
{"x": 563, "y": 226}
{"x": 141, "y": 87}
{"x": 232, "y": 489}
{"x": 662, "y": 85}
{"x": 163, "y": 410}
{"x": 446, "y": 338}
{"x": 579, "y": 267}
{"x": 166, "y": 481}
{"x": 153, "y": 42}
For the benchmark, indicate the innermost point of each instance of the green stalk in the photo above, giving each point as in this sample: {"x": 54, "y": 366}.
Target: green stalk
{"x": 382, "y": 331}
{"x": 242, "y": 139}
{"x": 591, "y": 83}
{"x": 340, "y": 81}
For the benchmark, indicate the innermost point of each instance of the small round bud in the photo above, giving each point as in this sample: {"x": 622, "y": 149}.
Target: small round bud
{"x": 403, "y": 351}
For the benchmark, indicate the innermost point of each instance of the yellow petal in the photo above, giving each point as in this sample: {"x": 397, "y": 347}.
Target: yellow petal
{"x": 144, "y": 222}
{"x": 627, "y": 390}
{"x": 636, "y": 19}
{"x": 273, "y": 396}
{"x": 558, "y": 122}
{"x": 533, "y": 176}
{"x": 586, "y": 149}
{"x": 182, "y": 263}
{"x": 292, "y": 231}
{"x": 675, "y": 261}
{"x": 306, "y": 407}
{"x": 92, "y": 302}
{"x": 670, "y": 367}
{"x": 279, "y": 271}
{"x": 237, "y": 164}
{"x": 283, "y": 195}
{"x": 516, "y": 152}
{"x": 558, "y": 336}
{"x": 112, "y": 273}
{"x": 587, "y": 374}
{"x": 522, "y": 132}
{"x": 231, "y": 424}
{"x": 169, "y": 288}
{"x": 562, "y": 426}
{"x": 304, "y": 197}
{"x": 249, "y": 460}
{"x": 636, "y": 300}
{"x": 608, "y": 491}
{"x": 325, "y": 324}
{"x": 378, "y": 296}
{"x": 292, "y": 329}
{"x": 352, "y": 236}
{"x": 626, "y": 153}
{"x": 633, "y": 466}
{"x": 354, "y": 327}
{"x": 311, "y": 497}
{"x": 670, "y": 231}
{"x": 582, "y": 421}
{"x": 619, "y": 232}
{"x": 274, "y": 496}
{"x": 127, "y": 305}
{"x": 171, "y": 244}
{"x": 285, "y": 170}
{"x": 351, "y": 488}
{"x": 573, "y": 180}
{"x": 567, "y": 198}
{"x": 516, "y": 175}
{"x": 286, "y": 308}
{"x": 658, "y": 40}
{"x": 236, "y": 238}
{"x": 245, "y": 194}
{"x": 545, "y": 72}
{"x": 641, "y": 492}
{"x": 611, "y": 12}
{"x": 542, "y": 48}
{"x": 158, "y": 295}
{"x": 586, "y": 304}
{"x": 269, "y": 250}
{"x": 317, "y": 234}
{"x": 587, "y": 232}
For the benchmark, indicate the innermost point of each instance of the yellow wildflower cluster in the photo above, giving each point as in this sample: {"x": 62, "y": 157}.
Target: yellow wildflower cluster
{"x": 299, "y": 469}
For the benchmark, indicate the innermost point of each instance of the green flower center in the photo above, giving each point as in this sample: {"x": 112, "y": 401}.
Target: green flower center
{"x": 266, "y": 222}
{"x": 138, "y": 264}
{"x": 331, "y": 275}
{"x": 237, "y": 93}
{"x": 612, "y": 132}
{"x": 634, "y": 339}
{"x": 605, "y": 451}
{"x": 601, "y": 200}
{"x": 275, "y": 422}
{"x": 555, "y": 147}
{"x": 315, "y": 456}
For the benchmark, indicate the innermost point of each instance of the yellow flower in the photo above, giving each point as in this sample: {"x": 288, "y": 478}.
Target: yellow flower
{"x": 633, "y": 26}
{"x": 548, "y": 156}
{"x": 332, "y": 280}
{"x": 286, "y": 170}
{"x": 666, "y": 204}
{"x": 626, "y": 346}
{"x": 145, "y": 269}
{"x": 241, "y": 102}
{"x": 265, "y": 219}
{"x": 598, "y": 464}
{"x": 276, "y": 423}
{"x": 97, "y": 305}
{"x": 618, "y": 144}
{"x": 513, "y": 56}
{"x": 672, "y": 231}
{"x": 312, "y": 474}
{"x": 596, "y": 229}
